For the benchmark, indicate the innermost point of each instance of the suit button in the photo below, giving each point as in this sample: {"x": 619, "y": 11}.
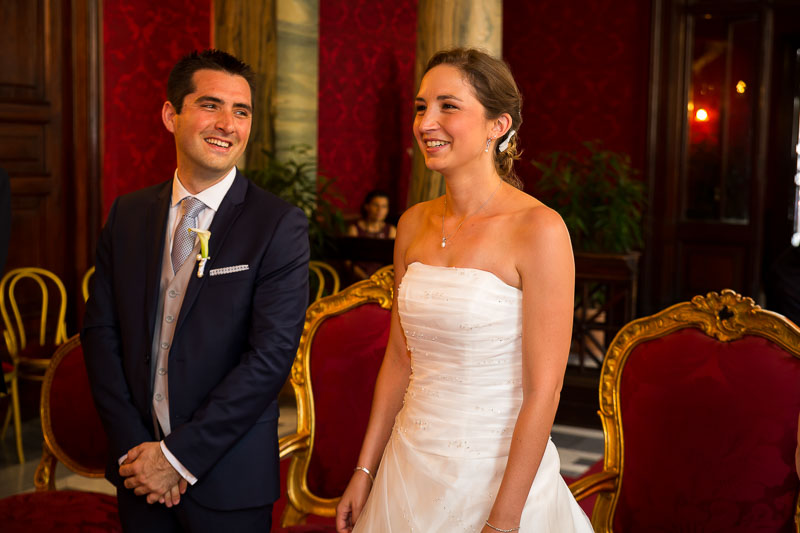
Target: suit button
{"x": 147, "y": 359}
{"x": 162, "y": 371}
{"x": 158, "y": 397}
{"x": 172, "y": 293}
{"x": 164, "y": 345}
{"x": 170, "y": 319}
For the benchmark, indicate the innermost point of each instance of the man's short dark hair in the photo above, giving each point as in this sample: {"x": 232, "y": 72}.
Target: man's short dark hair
{"x": 180, "y": 83}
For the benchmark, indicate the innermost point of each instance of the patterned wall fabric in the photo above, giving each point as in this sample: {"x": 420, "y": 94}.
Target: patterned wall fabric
{"x": 583, "y": 68}
{"x": 366, "y": 89}
{"x": 142, "y": 40}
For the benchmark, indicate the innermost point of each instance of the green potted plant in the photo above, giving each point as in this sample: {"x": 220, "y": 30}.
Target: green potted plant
{"x": 597, "y": 195}
{"x": 295, "y": 179}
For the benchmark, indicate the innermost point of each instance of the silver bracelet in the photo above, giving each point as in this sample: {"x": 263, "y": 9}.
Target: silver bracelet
{"x": 366, "y": 471}
{"x": 502, "y": 530}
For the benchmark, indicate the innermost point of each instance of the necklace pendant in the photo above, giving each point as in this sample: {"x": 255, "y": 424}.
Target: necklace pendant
{"x": 444, "y": 242}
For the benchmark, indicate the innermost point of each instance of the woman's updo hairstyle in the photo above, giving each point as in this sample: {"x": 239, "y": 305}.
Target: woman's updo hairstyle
{"x": 497, "y": 91}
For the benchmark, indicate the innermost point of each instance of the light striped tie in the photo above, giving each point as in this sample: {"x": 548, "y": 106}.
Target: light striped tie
{"x": 183, "y": 241}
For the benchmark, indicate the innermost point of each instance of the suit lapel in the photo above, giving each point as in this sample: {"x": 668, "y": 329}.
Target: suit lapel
{"x": 221, "y": 226}
{"x": 155, "y": 229}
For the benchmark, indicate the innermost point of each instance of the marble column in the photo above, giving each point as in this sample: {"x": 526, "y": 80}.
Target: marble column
{"x": 446, "y": 24}
{"x": 297, "y": 76}
{"x": 247, "y": 30}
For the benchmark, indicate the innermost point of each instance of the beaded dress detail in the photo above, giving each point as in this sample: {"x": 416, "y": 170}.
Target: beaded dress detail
{"x": 445, "y": 459}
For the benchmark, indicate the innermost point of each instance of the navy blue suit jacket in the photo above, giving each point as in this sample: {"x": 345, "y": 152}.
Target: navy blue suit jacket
{"x": 234, "y": 343}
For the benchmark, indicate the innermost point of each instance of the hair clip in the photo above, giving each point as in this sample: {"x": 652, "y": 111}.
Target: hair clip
{"x": 504, "y": 145}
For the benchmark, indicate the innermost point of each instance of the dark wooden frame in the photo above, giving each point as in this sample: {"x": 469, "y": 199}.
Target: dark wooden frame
{"x": 662, "y": 267}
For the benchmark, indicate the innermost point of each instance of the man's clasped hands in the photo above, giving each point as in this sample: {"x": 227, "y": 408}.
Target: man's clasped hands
{"x": 147, "y": 471}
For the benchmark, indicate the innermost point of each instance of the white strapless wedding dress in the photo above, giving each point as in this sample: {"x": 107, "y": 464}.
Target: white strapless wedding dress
{"x": 447, "y": 453}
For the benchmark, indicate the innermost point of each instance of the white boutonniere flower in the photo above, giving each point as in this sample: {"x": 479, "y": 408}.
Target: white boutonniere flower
{"x": 204, "y": 235}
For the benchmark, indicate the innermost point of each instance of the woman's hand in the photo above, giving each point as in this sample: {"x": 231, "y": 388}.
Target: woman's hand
{"x": 352, "y": 502}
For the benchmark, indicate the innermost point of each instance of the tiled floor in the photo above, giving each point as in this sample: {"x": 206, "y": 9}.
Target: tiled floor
{"x": 579, "y": 448}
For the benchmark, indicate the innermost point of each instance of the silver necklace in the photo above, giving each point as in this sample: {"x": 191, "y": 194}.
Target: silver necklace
{"x": 446, "y": 238}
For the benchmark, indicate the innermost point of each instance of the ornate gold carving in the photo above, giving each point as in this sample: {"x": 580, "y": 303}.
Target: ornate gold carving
{"x": 379, "y": 288}
{"x": 725, "y": 316}
{"x": 45, "y": 476}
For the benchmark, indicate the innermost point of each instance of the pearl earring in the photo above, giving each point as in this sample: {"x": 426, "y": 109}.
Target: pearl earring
{"x": 488, "y": 143}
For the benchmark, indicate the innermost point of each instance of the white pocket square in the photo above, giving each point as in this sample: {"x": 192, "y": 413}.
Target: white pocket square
{"x": 227, "y": 270}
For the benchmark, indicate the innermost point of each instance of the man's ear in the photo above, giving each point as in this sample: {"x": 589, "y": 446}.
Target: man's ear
{"x": 168, "y": 114}
{"x": 501, "y": 125}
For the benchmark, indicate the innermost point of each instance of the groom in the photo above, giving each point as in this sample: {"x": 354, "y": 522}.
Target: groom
{"x": 186, "y": 357}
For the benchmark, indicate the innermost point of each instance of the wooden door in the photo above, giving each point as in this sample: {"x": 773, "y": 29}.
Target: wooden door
{"x": 707, "y": 172}
{"x": 49, "y": 133}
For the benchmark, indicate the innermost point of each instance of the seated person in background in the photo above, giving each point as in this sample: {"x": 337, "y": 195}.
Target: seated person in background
{"x": 372, "y": 224}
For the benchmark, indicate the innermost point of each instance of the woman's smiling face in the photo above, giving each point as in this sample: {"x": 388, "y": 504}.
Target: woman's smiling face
{"x": 450, "y": 126}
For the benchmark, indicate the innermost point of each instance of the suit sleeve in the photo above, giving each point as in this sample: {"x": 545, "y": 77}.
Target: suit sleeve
{"x": 100, "y": 338}
{"x": 278, "y": 311}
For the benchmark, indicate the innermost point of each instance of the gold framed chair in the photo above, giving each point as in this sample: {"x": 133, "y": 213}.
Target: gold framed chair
{"x": 699, "y": 404}
{"x": 85, "y": 283}
{"x": 74, "y": 436}
{"x": 31, "y": 358}
{"x": 73, "y": 432}
{"x": 324, "y": 273}
{"x": 333, "y": 376}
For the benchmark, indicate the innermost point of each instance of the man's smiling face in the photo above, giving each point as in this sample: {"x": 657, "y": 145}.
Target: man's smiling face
{"x": 212, "y": 129}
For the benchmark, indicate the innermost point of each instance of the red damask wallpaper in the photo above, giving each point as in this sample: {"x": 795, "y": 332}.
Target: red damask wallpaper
{"x": 142, "y": 40}
{"x": 582, "y": 67}
{"x": 366, "y": 87}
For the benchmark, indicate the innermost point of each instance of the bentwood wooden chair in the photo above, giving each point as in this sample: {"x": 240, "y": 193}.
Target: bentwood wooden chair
{"x": 340, "y": 352}
{"x": 73, "y": 436}
{"x": 325, "y": 279}
{"x": 42, "y": 287}
{"x": 29, "y": 359}
{"x": 699, "y": 407}
{"x": 85, "y": 283}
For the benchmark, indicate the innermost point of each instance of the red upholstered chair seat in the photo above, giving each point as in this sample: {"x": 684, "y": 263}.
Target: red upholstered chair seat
{"x": 345, "y": 358}
{"x": 72, "y": 416}
{"x": 74, "y": 436}
{"x": 333, "y": 377}
{"x": 699, "y": 404}
{"x": 315, "y": 524}
{"x": 64, "y": 511}
{"x": 710, "y": 470}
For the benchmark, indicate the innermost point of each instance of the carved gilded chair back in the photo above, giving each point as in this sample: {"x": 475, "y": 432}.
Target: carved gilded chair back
{"x": 721, "y": 376}
{"x": 73, "y": 432}
{"x": 333, "y": 376}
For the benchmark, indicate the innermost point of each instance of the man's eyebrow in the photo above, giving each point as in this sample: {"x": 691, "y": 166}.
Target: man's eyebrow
{"x": 204, "y": 98}
{"x": 215, "y": 100}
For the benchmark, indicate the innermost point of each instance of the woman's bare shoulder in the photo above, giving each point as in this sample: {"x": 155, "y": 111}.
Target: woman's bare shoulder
{"x": 415, "y": 216}
{"x": 538, "y": 230}
{"x": 531, "y": 214}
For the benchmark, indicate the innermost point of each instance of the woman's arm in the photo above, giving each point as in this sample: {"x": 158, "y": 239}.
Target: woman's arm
{"x": 387, "y": 400}
{"x": 547, "y": 270}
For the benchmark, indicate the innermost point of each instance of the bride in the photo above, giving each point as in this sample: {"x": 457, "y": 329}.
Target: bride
{"x": 459, "y": 433}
